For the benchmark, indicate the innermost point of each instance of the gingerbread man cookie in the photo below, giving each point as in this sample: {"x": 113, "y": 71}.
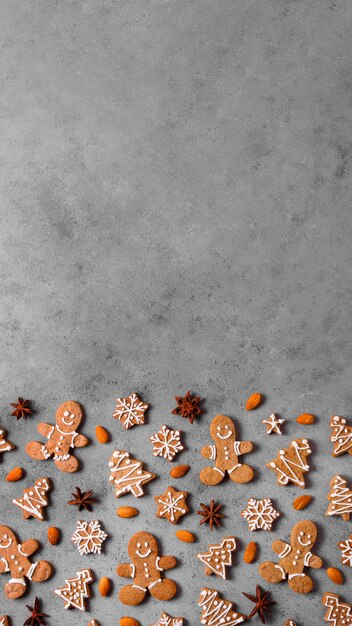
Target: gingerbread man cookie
{"x": 14, "y": 559}
{"x": 224, "y": 452}
{"x": 61, "y": 438}
{"x": 294, "y": 558}
{"x": 146, "y": 569}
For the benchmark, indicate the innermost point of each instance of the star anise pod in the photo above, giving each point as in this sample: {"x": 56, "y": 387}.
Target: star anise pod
{"x": 211, "y": 514}
{"x": 262, "y": 604}
{"x": 188, "y": 406}
{"x": 37, "y": 617}
{"x": 83, "y": 499}
{"x": 22, "y": 408}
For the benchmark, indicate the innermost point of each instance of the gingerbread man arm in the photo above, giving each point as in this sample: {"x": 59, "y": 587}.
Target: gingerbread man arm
{"x": 207, "y": 452}
{"x": 315, "y": 562}
{"x": 81, "y": 441}
{"x": 245, "y": 446}
{"x": 29, "y": 547}
{"x": 125, "y": 570}
{"x": 45, "y": 429}
{"x": 3, "y": 566}
{"x": 280, "y": 547}
{"x": 167, "y": 562}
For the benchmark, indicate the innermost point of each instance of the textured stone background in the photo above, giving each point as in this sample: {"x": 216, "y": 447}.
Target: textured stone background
{"x": 175, "y": 213}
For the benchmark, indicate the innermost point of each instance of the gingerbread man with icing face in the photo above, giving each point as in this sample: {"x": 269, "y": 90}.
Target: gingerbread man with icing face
{"x": 61, "y": 438}
{"x": 224, "y": 452}
{"x": 146, "y": 569}
{"x": 295, "y": 556}
{"x": 14, "y": 559}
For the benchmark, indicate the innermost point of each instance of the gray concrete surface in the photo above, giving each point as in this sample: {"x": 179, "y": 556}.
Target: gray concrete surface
{"x": 176, "y": 213}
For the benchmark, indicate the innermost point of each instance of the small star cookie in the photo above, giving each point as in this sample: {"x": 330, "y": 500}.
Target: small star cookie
{"x": 130, "y": 411}
{"x": 273, "y": 424}
{"x": 172, "y": 505}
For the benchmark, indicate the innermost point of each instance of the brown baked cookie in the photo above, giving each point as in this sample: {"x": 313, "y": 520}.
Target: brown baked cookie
{"x": 218, "y": 557}
{"x": 290, "y": 622}
{"x": 291, "y": 464}
{"x": 340, "y": 498}
{"x": 5, "y": 444}
{"x": 224, "y": 453}
{"x": 146, "y": 570}
{"x": 341, "y": 436}
{"x": 217, "y": 612}
{"x": 295, "y": 556}
{"x": 346, "y": 551}
{"x": 260, "y": 514}
{"x": 166, "y": 620}
{"x": 130, "y": 411}
{"x": 14, "y": 559}
{"x": 172, "y": 505}
{"x": 34, "y": 499}
{"x": 127, "y": 474}
{"x": 93, "y": 623}
{"x": 338, "y": 613}
{"x": 166, "y": 443}
{"x": 4, "y": 620}
{"x": 61, "y": 438}
{"x": 76, "y": 590}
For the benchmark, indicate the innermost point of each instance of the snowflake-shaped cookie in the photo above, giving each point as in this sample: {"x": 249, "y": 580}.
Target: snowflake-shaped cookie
{"x": 130, "y": 411}
{"x": 346, "y": 551}
{"x": 166, "y": 620}
{"x": 273, "y": 424}
{"x": 260, "y": 514}
{"x": 172, "y": 504}
{"x": 89, "y": 537}
{"x": 166, "y": 443}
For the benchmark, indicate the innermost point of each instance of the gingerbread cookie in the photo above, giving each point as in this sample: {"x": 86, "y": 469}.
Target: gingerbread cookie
{"x": 166, "y": 620}
{"x": 14, "y": 559}
{"x": 93, "y": 623}
{"x": 146, "y": 570}
{"x": 89, "y": 537}
{"x": 218, "y": 557}
{"x": 5, "y": 444}
{"x": 346, "y": 551}
{"x": 76, "y": 590}
{"x": 295, "y": 556}
{"x": 34, "y": 499}
{"x": 61, "y": 438}
{"x": 218, "y": 612}
{"x": 4, "y": 620}
{"x": 260, "y": 514}
{"x": 291, "y": 464}
{"x": 224, "y": 452}
{"x": 340, "y": 498}
{"x": 166, "y": 443}
{"x": 172, "y": 505}
{"x": 338, "y": 613}
{"x": 290, "y": 622}
{"x": 341, "y": 436}
{"x": 130, "y": 411}
{"x": 127, "y": 474}
{"x": 273, "y": 424}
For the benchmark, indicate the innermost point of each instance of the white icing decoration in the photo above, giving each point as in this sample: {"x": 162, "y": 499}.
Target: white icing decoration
{"x": 219, "y": 556}
{"x": 166, "y": 620}
{"x": 130, "y": 411}
{"x": 291, "y": 473}
{"x": 341, "y": 435}
{"x": 273, "y": 424}
{"x": 338, "y": 613}
{"x": 166, "y": 443}
{"x": 171, "y": 505}
{"x": 76, "y": 590}
{"x": 33, "y": 501}
{"x": 89, "y": 537}
{"x": 127, "y": 474}
{"x": 260, "y": 514}
{"x": 216, "y": 612}
{"x": 346, "y": 551}
{"x": 340, "y": 497}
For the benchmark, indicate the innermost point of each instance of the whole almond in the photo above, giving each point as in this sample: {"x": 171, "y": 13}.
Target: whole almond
{"x": 254, "y": 401}
{"x": 104, "y": 586}
{"x": 305, "y": 418}
{"x": 54, "y": 535}
{"x": 179, "y": 471}
{"x": 250, "y": 552}
{"x": 15, "y": 474}
{"x": 335, "y": 575}
{"x": 185, "y": 535}
{"x": 301, "y": 502}
{"x": 102, "y": 434}
{"x": 129, "y": 621}
{"x": 126, "y": 511}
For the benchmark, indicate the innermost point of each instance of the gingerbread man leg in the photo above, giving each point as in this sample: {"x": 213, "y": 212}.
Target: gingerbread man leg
{"x": 300, "y": 583}
{"x": 68, "y": 463}
{"x": 242, "y": 473}
{"x": 37, "y": 451}
{"x": 271, "y": 572}
{"x": 163, "y": 589}
{"x": 15, "y": 588}
{"x": 211, "y": 476}
{"x": 132, "y": 595}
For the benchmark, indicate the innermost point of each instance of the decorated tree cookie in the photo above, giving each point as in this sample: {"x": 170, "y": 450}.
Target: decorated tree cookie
{"x": 166, "y": 443}
{"x": 217, "y": 612}
{"x": 166, "y": 620}
{"x": 224, "y": 453}
{"x": 130, "y": 411}
{"x": 172, "y": 505}
{"x": 338, "y": 613}
{"x": 218, "y": 557}
{"x": 14, "y": 558}
{"x": 294, "y": 557}
{"x": 62, "y": 437}
{"x": 346, "y": 551}
{"x": 34, "y": 499}
{"x": 341, "y": 436}
{"x": 5, "y": 444}
{"x": 291, "y": 464}
{"x": 127, "y": 474}
{"x": 146, "y": 570}
{"x": 340, "y": 498}
{"x": 260, "y": 514}
{"x": 89, "y": 537}
{"x": 76, "y": 590}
